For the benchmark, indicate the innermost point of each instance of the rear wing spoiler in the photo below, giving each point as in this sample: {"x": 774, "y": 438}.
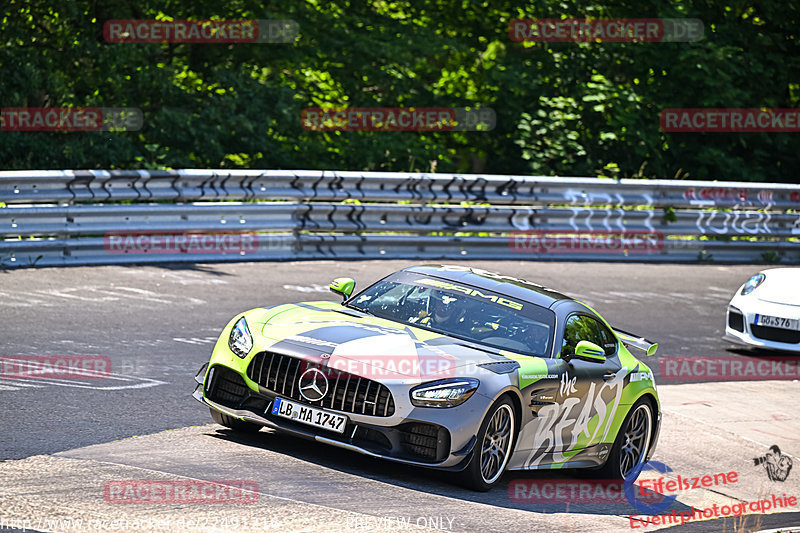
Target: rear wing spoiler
{"x": 631, "y": 340}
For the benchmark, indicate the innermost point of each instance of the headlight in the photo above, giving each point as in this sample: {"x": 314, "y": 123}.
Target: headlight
{"x": 444, "y": 393}
{"x": 240, "y": 342}
{"x": 753, "y": 283}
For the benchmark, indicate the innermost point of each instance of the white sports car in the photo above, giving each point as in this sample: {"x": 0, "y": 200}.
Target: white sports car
{"x": 765, "y": 311}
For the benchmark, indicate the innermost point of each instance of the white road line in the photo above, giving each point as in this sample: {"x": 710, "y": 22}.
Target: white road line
{"x": 64, "y": 293}
{"x": 143, "y": 384}
{"x": 19, "y": 383}
{"x": 19, "y": 300}
{"x": 195, "y": 340}
{"x": 720, "y": 289}
{"x": 133, "y": 382}
{"x": 185, "y": 278}
{"x": 141, "y": 294}
{"x": 50, "y": 297}
{"x": 150, "y": 296}
{"x": 301, "y": 288}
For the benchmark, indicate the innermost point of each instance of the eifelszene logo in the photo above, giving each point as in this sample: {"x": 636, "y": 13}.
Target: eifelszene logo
{"x": 640, "y": 504}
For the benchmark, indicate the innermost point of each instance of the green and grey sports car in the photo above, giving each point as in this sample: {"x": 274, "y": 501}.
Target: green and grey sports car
{"x": 447, "y": 367}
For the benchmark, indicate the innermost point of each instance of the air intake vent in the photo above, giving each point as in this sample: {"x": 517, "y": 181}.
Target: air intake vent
{"x": 227, "y": 387}
{"x": 767, "y": 333}
{"x": 426, "y": 442}
{"x": 735, "y": 320}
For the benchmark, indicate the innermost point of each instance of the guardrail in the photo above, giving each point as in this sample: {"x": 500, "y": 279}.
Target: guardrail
{"x": 97, "y": 217}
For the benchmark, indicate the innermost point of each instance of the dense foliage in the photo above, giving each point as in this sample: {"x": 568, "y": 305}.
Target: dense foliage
{"x": 573, "y": 109}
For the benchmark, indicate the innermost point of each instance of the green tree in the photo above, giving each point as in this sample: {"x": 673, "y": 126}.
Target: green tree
{"x": 562, "y": 108}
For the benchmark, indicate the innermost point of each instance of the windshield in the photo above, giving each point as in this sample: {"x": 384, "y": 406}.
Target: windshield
{"x": 461, "y": 311}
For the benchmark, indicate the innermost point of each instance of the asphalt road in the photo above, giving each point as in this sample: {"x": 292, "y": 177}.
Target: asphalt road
{"x": 157, "y": 324}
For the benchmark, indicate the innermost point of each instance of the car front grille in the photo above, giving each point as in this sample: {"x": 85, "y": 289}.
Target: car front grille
{"x": 349, "y": 393}
{"x": 768, "y": 333}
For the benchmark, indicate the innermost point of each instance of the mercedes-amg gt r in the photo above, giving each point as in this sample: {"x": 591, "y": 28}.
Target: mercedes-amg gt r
{"x": 446, "y": 367}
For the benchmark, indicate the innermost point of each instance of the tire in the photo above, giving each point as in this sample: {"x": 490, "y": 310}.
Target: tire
{"x": 492, "y": 449}
{"x": 632, "y": 443}
{"x": 234, "y": 423}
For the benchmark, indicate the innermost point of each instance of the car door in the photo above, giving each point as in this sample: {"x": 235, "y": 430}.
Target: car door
{"x": 589, "y": 392}
{"x": 574, "y": 402}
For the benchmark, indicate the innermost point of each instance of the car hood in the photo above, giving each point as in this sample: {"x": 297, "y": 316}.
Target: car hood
{"x": 782, "y": 285}
{"x": 372, "y": 347}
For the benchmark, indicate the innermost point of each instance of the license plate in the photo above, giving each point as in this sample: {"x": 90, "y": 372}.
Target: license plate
{"x": 777, "y": 322}
{"x": 309, "y": 415}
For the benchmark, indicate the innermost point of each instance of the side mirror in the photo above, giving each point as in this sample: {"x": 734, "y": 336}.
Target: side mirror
{"x": 651, "y": 350}
{"x": 343, "y": 286}
{"x": 588, "y": 351}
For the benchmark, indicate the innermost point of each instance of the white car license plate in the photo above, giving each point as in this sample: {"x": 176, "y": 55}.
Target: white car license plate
{"x": 309, "y": 415}
{"x": 777, "y": 322}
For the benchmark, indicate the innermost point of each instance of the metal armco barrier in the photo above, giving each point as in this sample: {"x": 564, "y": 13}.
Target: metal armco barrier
{"x": 107, "y": 217}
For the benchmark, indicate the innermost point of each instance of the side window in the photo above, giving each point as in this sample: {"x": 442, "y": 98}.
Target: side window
{"x": 608, "y": 341}
{"x": 583, "y": 328}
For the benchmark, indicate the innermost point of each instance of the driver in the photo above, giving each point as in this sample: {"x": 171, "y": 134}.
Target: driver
{"x": 538, "y": 338}
{"x": 446, "y": 311}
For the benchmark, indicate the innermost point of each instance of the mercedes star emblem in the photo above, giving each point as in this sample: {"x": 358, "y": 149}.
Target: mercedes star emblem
{"x": 313, "y": 385}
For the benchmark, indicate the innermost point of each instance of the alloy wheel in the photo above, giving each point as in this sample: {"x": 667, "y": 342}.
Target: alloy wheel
{"x": 496, "y": 446}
